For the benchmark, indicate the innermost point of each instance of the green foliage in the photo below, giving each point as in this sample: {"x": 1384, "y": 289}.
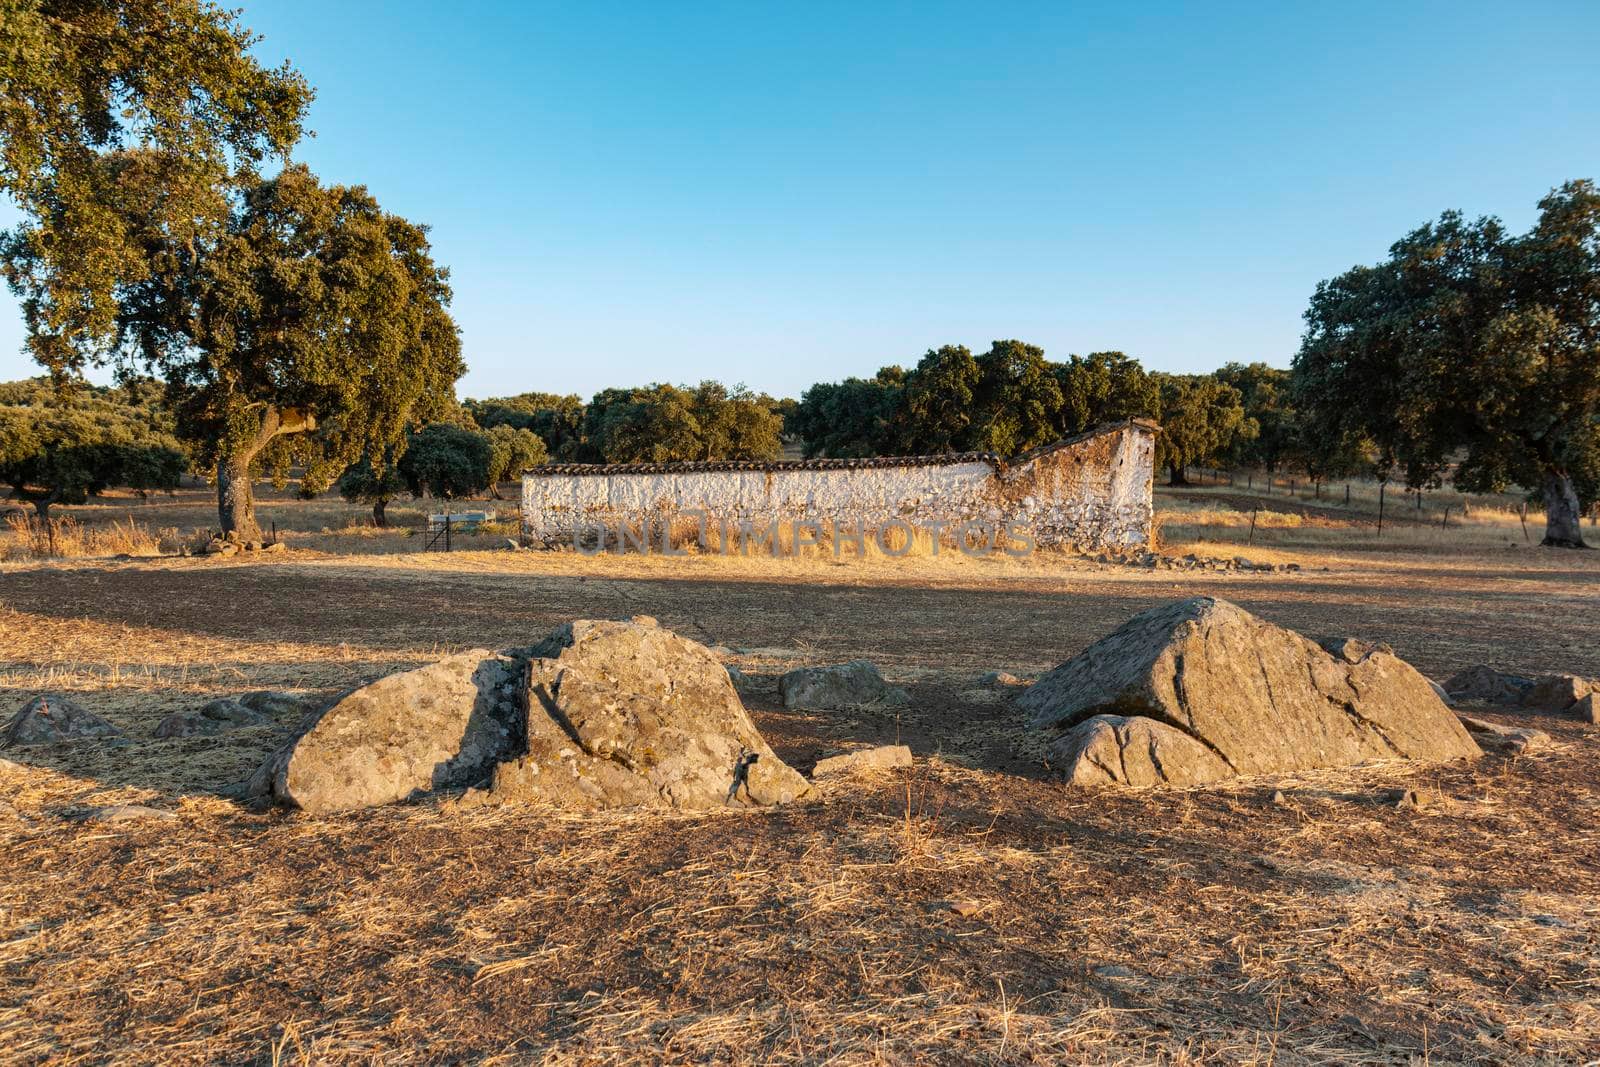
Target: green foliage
{"x": 1472, "y": 342}
{"x": 1017, "y": 400}
{"x": 933, "y": 412}
{"x": 446, "y": 461}
{"x": 665, "y": 423}
{"x": 512, "y": 451}
{"x": 361, "y": 483}
{"x": 852, "y": 418}
{"x": 107, "y": 104}
{"x": 1103, "y": 387}
{"x": 558, "y": 420}
{"x": 1202, "y": 418}
{"x": 64, "y": 447}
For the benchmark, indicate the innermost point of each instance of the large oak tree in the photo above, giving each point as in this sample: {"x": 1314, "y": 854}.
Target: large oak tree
{"x": 312, "y": 330}
{"x": 1472, "y": 347}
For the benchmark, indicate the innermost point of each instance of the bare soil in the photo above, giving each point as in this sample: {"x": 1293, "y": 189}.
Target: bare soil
{"x": 969, "y": 910}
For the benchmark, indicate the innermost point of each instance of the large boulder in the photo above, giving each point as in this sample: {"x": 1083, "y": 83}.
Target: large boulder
{"x": 844, "y": 685}
{"x": 624, "y": 714}
{"x": 445, "y": 724}
{"x": 1260, "y": 698}
{"x": 52, "y": 717}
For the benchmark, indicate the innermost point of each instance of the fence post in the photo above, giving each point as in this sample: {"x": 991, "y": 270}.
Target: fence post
{"x": 447, "y": 531}
{"x": 1346, "y": 494}
{"x": 1382, "y": 487}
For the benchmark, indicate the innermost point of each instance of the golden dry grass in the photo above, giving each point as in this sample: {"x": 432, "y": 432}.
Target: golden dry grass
{"x": 1184, "y": 927}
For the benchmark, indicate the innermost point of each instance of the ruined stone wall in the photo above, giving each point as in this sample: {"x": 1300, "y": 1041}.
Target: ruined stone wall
{"x": 1093, "y": 491}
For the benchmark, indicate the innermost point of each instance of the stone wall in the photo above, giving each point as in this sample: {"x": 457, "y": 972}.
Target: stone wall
{"x": 1093, "y": 491}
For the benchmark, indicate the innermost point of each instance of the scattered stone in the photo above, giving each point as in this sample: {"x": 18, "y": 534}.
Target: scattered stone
{"x": 1485, "y": 685}
{"x": 274, "y": 546}
{"x": 1444, "y": 697}
{"x": 1513, "y": 739}
{"x": 1550, "y": 920}
{"x": 1002, "y": 679}
{"x": 1200, "y": 689}
{"x": 846, "y": 685}
{"x": 1278, "y": 798}
{"x": 966, "y": 908}
{"x": 1588, "y": 709}
{"x": 882, "y": 758}
{"x": 1557, "y": 692}
{"x": 445, "y": 724}
{"x": 273, "y": 702}
{"x": 1407, "y": 798}
{"x": 1114, "y": 970}
{"x": 51, "y": 717}
{"x": 129, "y": 813}
{"x": 212, "y": 719}
{"x": 252, "y": 546}
{"x": 623, "y": 714}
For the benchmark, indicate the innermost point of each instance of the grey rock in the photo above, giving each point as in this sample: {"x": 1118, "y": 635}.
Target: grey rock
{"x": 1254, "y": 697}
{"x": 1588, "y": 709}
{"x": 274, "y": 703}
{"x": 1491, "y": 735}
{"x": 1113, "y": 750}
{"x": 1002, "y": 680}
{"x": 51, "y": 717}
{"x": 882, "y": 758}
{"x": 214, "y": 718}
{"x": 446, "y": 724}
{"x": 845, "y": 685}
{"x": 1444, "y": 697}
{"x": 1557, "y": 692}
{"x": 624, "y": 714}
{"x": 1485, "y": 685}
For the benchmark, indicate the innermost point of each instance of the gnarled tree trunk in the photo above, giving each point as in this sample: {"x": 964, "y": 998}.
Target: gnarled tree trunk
{"x": 1562, "y": 519}
{"x": 378, "y": 516}
{"x": 1177, "y": 475}
{"x": 236, "y": 502}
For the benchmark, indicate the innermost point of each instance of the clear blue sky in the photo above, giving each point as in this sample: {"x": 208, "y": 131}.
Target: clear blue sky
{"x": 780, "y": 194}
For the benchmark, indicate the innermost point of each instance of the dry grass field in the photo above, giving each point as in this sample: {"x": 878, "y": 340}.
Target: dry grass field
{"x": 968, "y": 910}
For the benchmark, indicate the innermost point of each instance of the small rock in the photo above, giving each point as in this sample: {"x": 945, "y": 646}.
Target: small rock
{"x": 1550, "y": 920}
{"x": 1115, "y": 970}
{"x": 1588, "y": 709}
{"x": 273, "y": 702}
{"x": 1278, "y": 798}
{"x": 1485, "y": 685}
{"x": 52, "y": 717}
{"x": 1514, "y": 739}
{"x": 1557, "y": 692}
{"x": 1444, "y": 697}
{"x": 252, "y": 546}
{"x": 274, "y": 546}
{"x": 1408, "y": 798}
{"x": 1001, "y": 679}
{"x": 845, "y": 685}
{"x": 512, "y": 546}
{"x": 128, "y": 813}
{"x": 214, "y": 718}
{"x": 867, "y": 760}
{"x": 966, "y": 908}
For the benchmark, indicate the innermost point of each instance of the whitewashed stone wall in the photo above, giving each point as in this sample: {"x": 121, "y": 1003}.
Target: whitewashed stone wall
{"x": 1093, "y": 491}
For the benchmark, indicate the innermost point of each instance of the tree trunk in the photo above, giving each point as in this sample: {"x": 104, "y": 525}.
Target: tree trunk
{"x": 378, "y": 517}
{"x": 41, "y": 508}
{"x": 1177, "y": 475}
{"x": 236, "y": 502}
{"x": 494, "y": 491}
{"x": 1562, "y": 519}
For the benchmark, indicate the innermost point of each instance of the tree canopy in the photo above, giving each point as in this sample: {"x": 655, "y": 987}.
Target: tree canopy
{"x": 1472, "y": 346}
{"x": 667, "y": 423}
{"x": 104, "y": 103}
{"x": 1201, "y": 419}
{"x": 313, "y": 330}
{"x": 446, "y": 461}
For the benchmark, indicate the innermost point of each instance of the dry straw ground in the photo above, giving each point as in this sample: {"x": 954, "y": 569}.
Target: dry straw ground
{"x": 969, "y": 910}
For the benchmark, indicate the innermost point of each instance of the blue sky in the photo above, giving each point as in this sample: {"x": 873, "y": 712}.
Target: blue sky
{"x": 781, "y": 194}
